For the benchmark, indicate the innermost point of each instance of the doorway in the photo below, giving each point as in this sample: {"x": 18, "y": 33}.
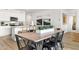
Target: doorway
{"x": 70, "y": 23}
{"x": 74, "y": 23}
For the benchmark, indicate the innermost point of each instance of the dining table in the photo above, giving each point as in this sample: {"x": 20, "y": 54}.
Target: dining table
{"x": 37, "y": 38}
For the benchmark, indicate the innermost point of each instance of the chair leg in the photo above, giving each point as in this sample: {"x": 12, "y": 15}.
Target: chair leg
{"x": 61, "y": 45}
{"x": 42, "y": 48}
{"x": 56, "y": 47}
{"x": 49, "y": 48}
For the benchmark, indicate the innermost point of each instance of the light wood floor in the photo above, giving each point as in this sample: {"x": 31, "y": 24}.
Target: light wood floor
{"x": 70, "y": 41}
{"x": 6, "y": 43}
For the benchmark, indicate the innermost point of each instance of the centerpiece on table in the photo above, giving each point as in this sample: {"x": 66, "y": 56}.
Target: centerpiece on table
{"x": 45, "y": 29}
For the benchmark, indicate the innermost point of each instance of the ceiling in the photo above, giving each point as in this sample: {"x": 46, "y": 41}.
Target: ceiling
{"x": 71, "y": 11}
{"x": 40, "y": 10}
{"x": 36, "y": 10}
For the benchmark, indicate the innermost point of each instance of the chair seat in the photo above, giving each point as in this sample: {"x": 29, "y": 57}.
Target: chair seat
{"x": 49, "y": 45}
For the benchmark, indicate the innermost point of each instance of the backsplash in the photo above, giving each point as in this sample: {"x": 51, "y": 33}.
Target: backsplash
{"x": 11, "y": 23}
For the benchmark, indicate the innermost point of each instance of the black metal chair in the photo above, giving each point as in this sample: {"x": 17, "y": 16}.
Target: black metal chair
{"x": 51, "y": 43}
{"x": 22, "y": 44}
{"x": 61, "y": 34}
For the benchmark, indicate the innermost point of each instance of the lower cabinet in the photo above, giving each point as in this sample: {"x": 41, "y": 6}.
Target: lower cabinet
{"x": 5, "y": 30}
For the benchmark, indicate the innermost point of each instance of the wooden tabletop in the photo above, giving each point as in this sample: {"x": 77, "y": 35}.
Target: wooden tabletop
{"x": 33, "y": 36}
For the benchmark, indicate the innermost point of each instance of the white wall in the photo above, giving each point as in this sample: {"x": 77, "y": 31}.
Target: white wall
{"x": 77, "y": 25}
{"x": 54, "y": 15}
{"x": 6, "y": 14}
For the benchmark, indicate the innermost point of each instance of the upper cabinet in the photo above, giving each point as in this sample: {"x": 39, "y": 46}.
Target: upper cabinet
{"x": 5, "y": 15}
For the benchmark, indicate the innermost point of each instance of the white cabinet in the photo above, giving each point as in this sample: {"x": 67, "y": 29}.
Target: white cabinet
{"x": 50, "y": 30}
{"x": 15, "y": 30}
{"x": 5, "y": 15}
{"x": 5, "y": 30}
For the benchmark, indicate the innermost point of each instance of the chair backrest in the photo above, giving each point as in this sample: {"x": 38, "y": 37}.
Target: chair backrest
{"x": 55, "y": 38}
{"x": 20, "y": 42}
{"x": 61, "y": 34}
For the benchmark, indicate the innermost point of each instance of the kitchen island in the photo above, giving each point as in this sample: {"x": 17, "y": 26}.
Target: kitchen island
{"x": 5, "y": 30}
